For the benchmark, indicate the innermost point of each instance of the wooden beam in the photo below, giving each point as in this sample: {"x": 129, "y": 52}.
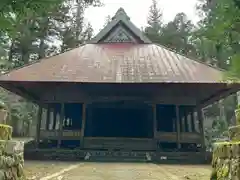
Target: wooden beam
{"x": 90, "y": 121}
{"x": 54, "y": 119}
{"x": 185, "y": 137}
{"x": 83, "y": 124}
{"x": 178, "y": 127}
{"x": 38, "y": 126}
{"x": 61, "y": 126}
{"x": 65, "y": 94}
{"x": 186, "y": 124}
{"x": 178, "y": 100}
{"x": 193, "y": 129}
{"x": 12, "y": 88}
{"x": 219, "y": 95}
{"x": 109, "y": 98}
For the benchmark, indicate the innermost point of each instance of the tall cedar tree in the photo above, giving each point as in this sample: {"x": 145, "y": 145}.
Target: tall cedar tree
{"x": 153, "y": 29}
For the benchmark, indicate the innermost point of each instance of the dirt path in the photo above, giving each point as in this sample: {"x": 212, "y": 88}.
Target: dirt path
{"x": 134, "y": 171}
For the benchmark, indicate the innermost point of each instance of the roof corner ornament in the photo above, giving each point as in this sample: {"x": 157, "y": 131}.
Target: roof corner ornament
{"x": 121, "y": 13}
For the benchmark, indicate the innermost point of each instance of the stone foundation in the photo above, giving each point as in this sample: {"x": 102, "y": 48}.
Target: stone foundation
{"x": 234, "y": 133}
{"x": 5, "y": 132}
{"x": 226, "y": 161}
{"x": 11, "y": 156}
{"x": 226, "y": 156}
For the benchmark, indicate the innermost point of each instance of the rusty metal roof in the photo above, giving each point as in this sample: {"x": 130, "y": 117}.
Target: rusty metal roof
{"x": 117, "y": 63}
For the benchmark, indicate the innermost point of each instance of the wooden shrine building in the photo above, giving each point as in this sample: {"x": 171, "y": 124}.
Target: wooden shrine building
{"x": 119, "y": 92}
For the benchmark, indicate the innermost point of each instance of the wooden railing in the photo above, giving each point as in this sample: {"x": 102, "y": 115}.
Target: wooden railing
{"x": 123, "y": 143}
{"x": 185, "y": 137}
{"x": 66, "y": 134}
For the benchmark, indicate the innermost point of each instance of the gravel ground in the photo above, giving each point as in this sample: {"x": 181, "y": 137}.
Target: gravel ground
{"x": 35, "y": 170}
{"x": 189, "y": 172}
{"x": 115, "y": 171}
{"x": 52, "y": 170}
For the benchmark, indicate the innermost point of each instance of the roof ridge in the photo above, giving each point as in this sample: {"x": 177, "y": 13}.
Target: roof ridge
{"x": 121, "y": 12}
{"x": 191, "y": 58}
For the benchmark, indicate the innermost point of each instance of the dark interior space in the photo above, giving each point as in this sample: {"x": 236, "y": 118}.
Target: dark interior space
{"x": 119, "y": 120}
{"x": 166, "y": 115}
{"x": 72, "y": 121}
{"x": 73, "y": 116}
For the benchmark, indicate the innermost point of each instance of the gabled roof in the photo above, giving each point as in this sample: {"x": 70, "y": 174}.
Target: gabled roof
{"x": 120, "y": 53}
{"x": 119, "y": 20}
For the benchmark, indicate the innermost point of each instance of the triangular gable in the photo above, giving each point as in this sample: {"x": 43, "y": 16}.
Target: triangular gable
{"x": 120, "y": 29}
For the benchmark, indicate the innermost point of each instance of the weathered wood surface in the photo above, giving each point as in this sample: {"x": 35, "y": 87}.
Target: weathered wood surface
{"x": 91, "y": 142}
{"x": 38, "y": 126}
{"x": 184, "y": 137}
{"x": 81, "y": 94}
{"x": 66, "y": 134}
{"x": 80, "y": 99}
{"x": 178, "y": 127}
{"x": 119, "y": 143}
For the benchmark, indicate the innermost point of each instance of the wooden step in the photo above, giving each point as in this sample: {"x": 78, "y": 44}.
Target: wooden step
{"x": 118, "y": 156}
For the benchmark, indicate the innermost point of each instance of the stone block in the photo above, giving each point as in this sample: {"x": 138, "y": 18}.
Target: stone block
{"x": 11, "y": 160}
{"x": 226, "y": 149}
{"x": 14, "y": 147}
{"x": 226, "y": 161}
{"x": 11, "y": 147}
{"x": 3, "y": 116}
{"x": 237, "y": 114}
{"x": 234, "y": 133}
{"x": 5, "y": 132}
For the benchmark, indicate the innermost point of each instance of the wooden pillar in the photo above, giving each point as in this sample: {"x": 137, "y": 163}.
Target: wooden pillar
{"x": 83, "y": 124}
{"x": 154, "y": 110}
{"x": 182, "y": 124}
{"x": 51, "y": 119}
{"x": 178, "y": 127}
{"x": 48, "y": 118}
{"x": 60, "y": 131}
{"x": 192, "y": 121}
{"x": 201, "y": 128}
{"x": 181, "y": 119}
{"x": 54, "y": 119}
{"x": 90, "y": 122}
{"x": 186, "y": 122}
{"x": 38, "y": 126}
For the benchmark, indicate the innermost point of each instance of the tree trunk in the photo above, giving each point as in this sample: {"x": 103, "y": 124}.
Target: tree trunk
{"x": 41, "y": 53}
